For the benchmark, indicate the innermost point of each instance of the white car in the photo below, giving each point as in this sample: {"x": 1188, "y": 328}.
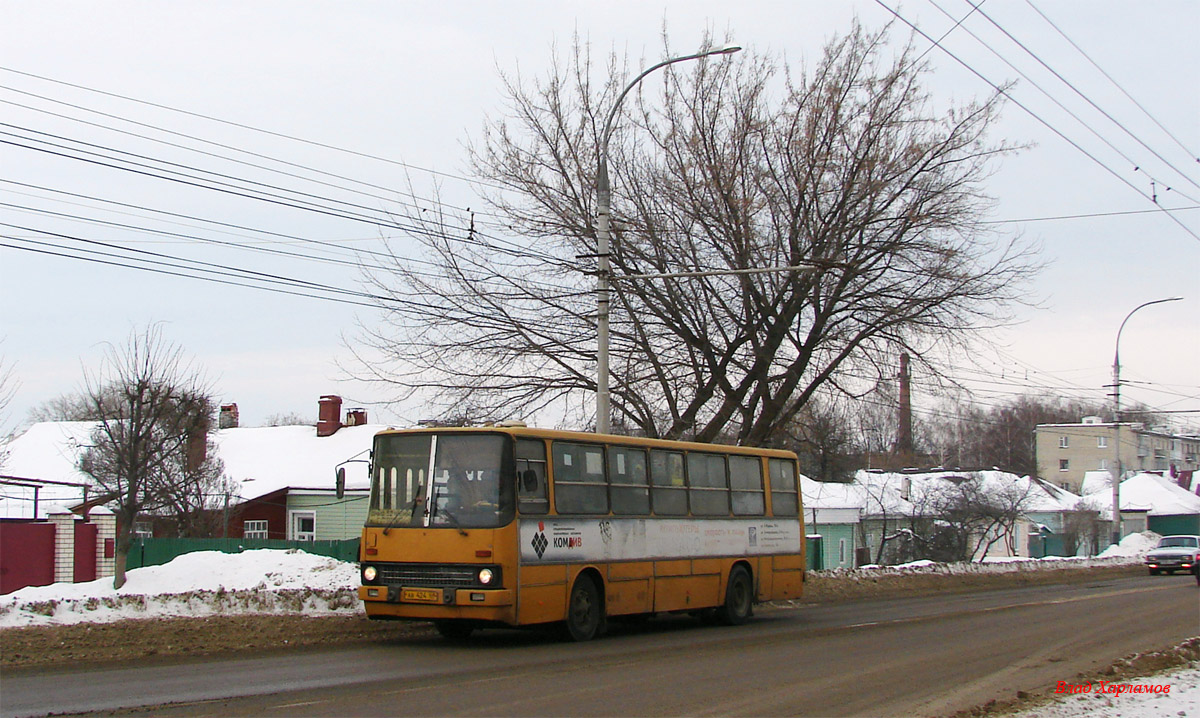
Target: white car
{"x": 1173, "y": 553}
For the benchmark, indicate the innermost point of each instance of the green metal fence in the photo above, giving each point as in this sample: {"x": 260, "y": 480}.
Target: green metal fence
{"x": 157, "y": 551}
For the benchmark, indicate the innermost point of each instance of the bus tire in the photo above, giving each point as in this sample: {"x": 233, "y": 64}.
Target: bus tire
{"x": 739, "y": 598}
{"x": 585, "y": 612}
{"x": 454, "y": 630}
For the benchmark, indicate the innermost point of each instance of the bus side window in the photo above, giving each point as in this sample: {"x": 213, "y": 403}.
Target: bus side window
{"x": 668, "y": 492}
{"x": 708, "y": 489}
{"x": 785, "y": 499}
{"x": 627, "y": 481}
{"x": 579, "y": 483}
{"x": 531, "y": 477}
{"x": 746, "y": 480}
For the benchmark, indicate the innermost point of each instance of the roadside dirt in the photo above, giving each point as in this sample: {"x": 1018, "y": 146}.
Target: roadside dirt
{"x": 81, "y": 645}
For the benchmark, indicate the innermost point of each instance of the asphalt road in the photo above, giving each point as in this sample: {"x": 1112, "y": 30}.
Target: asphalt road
{"x": 916, "y": 656}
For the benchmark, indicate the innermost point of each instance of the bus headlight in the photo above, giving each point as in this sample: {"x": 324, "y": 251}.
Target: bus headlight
{"x": 485, "y": 576}
{"x": 369, "y": 573}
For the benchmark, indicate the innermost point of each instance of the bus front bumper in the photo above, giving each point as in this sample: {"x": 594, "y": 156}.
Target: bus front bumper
{"x": 437, "y": 597}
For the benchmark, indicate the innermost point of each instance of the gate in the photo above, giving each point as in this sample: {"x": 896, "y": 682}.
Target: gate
{"x": 85, "y": 551}
{"x": 26, "y": 555}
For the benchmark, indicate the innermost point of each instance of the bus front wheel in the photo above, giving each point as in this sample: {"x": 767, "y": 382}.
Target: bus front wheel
{"x": 585, "y": 612}
{"x": 739, "y": 597}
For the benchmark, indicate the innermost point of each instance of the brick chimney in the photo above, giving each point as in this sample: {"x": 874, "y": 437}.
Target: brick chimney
{"x": 329, "y": 415}
{"x": 356, "y": 417}
{"x": 197, "y": 445}
{"x": 228, "y": 418}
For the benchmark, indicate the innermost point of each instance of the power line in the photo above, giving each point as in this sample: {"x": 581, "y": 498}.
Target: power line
{"x": 227, "y": 158}
{"x": 249, "y": 127}
{"x": 1086, "y": 99}
{"x": 1114, "y": 82}
{"x": 1037, "y": 117}
{"x": 1050, "y": 95}
{"x": 513, "y": 249}
{"x": 235, "y": 149}
{"x": 180, "y": 274}
{"x": 197, "y": 265}
{"x": 1089, "y": 215}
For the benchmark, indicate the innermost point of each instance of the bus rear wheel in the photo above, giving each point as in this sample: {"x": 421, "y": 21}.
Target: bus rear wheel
{"x": 585, "y": 612}
{"x": 739, "y": 598}
{"x": 454, "y": 630}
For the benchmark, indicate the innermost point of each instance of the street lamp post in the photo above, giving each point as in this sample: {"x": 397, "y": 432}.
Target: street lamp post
{"x": 603, "y": 198}
{"x": 1116, "y": 480}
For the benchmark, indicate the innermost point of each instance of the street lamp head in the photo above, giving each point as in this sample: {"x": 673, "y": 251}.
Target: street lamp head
{"x": 727, "y": 49}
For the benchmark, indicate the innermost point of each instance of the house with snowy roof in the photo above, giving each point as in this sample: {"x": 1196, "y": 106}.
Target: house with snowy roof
{"x": 895, "y": 507}
{"x": 284, "y": 475}
{"x": 831, "y": 516}
{"x": 1150, "y": 501}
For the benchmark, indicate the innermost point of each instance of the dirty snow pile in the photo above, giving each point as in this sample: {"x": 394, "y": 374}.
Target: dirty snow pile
{"x": 203, "y": 583}
{"x": 1133, "y": 545}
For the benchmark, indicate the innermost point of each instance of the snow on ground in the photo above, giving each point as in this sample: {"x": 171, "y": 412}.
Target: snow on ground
{"x": 195, "y": 584}
{"x": 1102, "y": 701}
{"x": 1130, "y": 550}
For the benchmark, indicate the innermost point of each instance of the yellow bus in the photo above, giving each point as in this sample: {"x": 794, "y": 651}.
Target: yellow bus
{"x": 515, "y": 526}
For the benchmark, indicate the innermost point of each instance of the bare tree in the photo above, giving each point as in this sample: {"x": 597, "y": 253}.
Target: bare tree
{"x": 290, "y": 418}
{"x": 72, "y": 406}
{"x": 1001, "y": 436}
{"x": 976, "y": 514}
{"x": 734, "y": 165}
{"x": 149, "y": 404}
{"x": 822, "y": 437}
{"x": 8, "y": 389}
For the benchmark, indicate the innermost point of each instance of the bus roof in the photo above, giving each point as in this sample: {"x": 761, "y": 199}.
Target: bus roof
{"x": 584, "y": 436}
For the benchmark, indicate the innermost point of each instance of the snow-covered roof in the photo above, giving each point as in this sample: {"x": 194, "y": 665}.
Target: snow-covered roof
{"x": 265, "y": 459}
{"x": 48, "y": 451}
{"x": 1154, "y": 494}
{"x": 260, "y": 459}
{"x": 875, "y": 493}
{"x": 901, "y": 493}
{"x": 1095, "y": 482}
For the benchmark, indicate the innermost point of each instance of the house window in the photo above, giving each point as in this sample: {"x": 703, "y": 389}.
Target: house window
{"x": 254, "y": 529}
{"x": 1103, "y": 465}
{"x": 1063, "y": 442}
{"x": 303, "y": 526}
{"x": 1064, "y": 464}
{"x": 143, "y": 529}
{"x": 1101, "y": 442}
{"x": 842, "y": 551}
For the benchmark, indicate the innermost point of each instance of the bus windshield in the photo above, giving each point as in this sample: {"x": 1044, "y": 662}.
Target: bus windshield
{"x": 471, "y": 487}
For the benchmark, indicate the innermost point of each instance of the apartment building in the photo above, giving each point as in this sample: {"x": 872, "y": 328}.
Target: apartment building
{"x": 1066, "y": 451}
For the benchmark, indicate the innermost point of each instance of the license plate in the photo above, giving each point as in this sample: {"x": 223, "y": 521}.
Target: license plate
{"x": 421, "y": 595}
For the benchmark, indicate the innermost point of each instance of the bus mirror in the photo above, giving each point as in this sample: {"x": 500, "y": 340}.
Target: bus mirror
{"x": 341, "y": 482}
{"x": 529, "y": 482}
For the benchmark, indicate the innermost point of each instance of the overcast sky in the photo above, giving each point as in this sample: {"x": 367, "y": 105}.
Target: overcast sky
{"x": 406, "y": 84}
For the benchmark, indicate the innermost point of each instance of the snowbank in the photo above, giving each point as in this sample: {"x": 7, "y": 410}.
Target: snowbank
{"x": 196, "y": 584}
{"x": 1133, "y": 545}
{"x": 1129, "y": 551}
